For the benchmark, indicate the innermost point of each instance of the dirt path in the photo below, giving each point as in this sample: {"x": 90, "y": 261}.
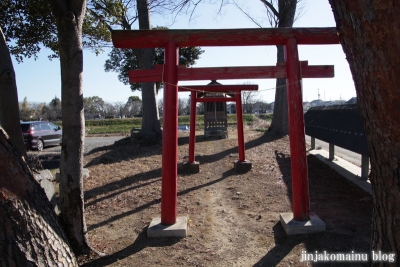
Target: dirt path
{"x": 226, "y": 230}
{"x": 233, "y": 217}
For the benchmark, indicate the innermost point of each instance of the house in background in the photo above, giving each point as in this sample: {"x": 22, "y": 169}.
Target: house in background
{"x": 231, "y": 108}
{"x": 316, "y": 103}
{"x": 306, "y": 106}
{"x": 272, "y": 105}
{"x": 352, "y": 100}
{"x": 261, "y": 107}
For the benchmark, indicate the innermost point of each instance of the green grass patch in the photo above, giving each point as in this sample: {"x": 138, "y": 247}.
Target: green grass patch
{"x": 124, "y": 126}
{"x": 266, "y": 117}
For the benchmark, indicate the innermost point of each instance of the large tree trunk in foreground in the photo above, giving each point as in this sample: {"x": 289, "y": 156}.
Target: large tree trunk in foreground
{"x": 280, "y": 123}
{"x": 30, "y": 234}
{"x": 9, "y": 111}
{"x": 69, "y": 17}
{"x": 370, "y": 33}
{"x": 150, "y": 116}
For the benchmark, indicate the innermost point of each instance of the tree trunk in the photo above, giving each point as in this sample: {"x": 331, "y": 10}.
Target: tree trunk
{"x": 30, "y": 232}
{"x": 150, "y": 116}
{"x": 370, "y": 33}
{"x": 69, "y": 17}
{"x": 280, "y": 124}
{"x": 9, "y": 111}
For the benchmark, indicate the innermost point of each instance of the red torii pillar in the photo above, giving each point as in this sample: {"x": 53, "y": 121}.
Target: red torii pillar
{"x": 170, "y": 137}
{"x": 297, "y": 222}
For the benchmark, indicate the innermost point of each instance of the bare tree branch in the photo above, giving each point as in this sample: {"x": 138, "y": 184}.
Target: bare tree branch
{"x": 247, "y": 14}
{"x": 271, "y": 7}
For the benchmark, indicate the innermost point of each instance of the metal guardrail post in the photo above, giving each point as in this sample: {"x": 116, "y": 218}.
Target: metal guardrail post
{"x": 331, "y": 152}
{"x": 364, "y": 167}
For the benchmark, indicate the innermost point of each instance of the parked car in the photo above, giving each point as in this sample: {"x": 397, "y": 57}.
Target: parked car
{"x": 38, "y": 134}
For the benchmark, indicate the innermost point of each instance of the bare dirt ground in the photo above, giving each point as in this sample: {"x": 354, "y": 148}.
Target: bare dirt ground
{"x": 233, "y": 217}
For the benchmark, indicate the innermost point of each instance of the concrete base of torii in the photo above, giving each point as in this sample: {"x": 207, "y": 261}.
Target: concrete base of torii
{"x": 242, "y": 166}
{"x": 191, "y": 167}
{"x": 294, "y": 227}
{"x": 179, "y": 229}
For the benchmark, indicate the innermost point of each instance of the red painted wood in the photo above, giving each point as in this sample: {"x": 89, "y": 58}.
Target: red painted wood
{"x": 170, "y": 137}
{"x": 219, "y": 88}
{"x": 222, "y": 73}
{"x": 300, "y": 191}
{"x": 192, "y": 129}
{"x": 223, "y": 37}
{"x": 302, "y": 63}
{"x": 140, "y": 76}
{"x": 324, "y": 71}
{"x": 240, "y": 130}
{"x": 216, "y": 99}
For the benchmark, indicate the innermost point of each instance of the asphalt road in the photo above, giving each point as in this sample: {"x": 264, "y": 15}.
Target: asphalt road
{"x": 339, "y": 152}
{"x": 90, "y": 143}
{"x": 95, "y": 142}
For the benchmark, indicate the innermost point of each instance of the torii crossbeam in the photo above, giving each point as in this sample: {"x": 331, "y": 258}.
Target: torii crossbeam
{"x": 290, "y": 38}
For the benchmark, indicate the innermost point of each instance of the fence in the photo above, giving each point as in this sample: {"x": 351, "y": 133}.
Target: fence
{"x": 340, "y": 126}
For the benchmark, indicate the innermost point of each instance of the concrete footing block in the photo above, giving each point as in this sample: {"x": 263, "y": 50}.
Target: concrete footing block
{"x": 45, "y": 179}
{"x": 293, "y": 227}
{"x": 242, "y": 166}
{"x": 191, "y": 167}
{"x": 43, "y": 175}
{"x": 179, "y": 229}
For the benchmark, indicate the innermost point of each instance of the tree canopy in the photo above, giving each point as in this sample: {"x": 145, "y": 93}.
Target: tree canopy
{"x": 123, "y": 60}
{"x": 29, "y": 26}
{"x": 93, "y": 105}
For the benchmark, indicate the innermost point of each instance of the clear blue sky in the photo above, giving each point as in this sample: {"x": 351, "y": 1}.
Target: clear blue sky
{"x": 39, "y": 80}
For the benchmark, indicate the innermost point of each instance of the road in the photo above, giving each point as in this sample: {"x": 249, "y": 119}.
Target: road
{"x": 339, "y": 152}
{"x": 90, "y": 143}
{"x": 94, "y": 142}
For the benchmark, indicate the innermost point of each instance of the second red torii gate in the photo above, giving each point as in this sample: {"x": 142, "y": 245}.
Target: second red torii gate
{"x": 171, "y": 39}
{"x": 220, "y": 73}
{"x": 235, "y": 90}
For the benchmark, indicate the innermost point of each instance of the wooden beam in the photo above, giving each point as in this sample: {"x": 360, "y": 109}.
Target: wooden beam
{"x": 218, "y": 88}
{"x": 223, "y": 37}
{"x": 323, "y": 71}
{"x": 228, "y": 73}
{"x": 216, "y": 99}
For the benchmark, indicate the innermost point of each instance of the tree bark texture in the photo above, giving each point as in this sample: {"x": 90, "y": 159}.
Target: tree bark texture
{"x": 9, "y": 107}
{"x": 280, "y": 124}
{"x": 150, "y": 116}
{"x": 30, "y": 234}
{"x": 69, "y": 17}
{"x": 369, "y": 33}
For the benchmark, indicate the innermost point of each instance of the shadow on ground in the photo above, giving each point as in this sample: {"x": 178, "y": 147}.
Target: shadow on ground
{"x": 141, "y": 242}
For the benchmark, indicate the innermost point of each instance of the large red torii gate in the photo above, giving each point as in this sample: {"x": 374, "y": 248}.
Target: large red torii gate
{"x": 290, "y": 38}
